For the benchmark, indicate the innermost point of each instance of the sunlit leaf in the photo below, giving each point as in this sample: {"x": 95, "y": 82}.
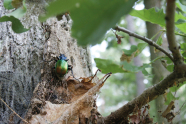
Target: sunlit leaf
{"x": 183, "y": 46}
{"x": 181, "y": 6}
{"x": 170, "y": 97}
{"x": 141, "y": 47}
{"x": 181, "y": 26}
{"x": 159, "y": 41}
{"x": 131, "y": 68}
{"x": 175, "y": 88}
{"x": 17, "y": 27}
{"x": 170, "y": 68}
{"x": 180, "y": 21}
{"x": 184, "y": 54}
{"x": 151, "y": 15}
{"x": 91, "y": 18}
{"x": 107, "y": 66}
{"x": 168, "y": 60}
{"x": 134, "y": 51}
{"x": 19, "y": 13}
{"x": 129, "y": 52}
{"x": 183, "y": 2}
{"x": 158, "y": 17}
{"x": 8, "y": 4}
{"x": 144, "y": 71}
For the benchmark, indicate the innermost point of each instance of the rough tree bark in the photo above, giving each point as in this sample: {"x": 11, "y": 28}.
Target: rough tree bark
{"x": 158, "y": 70}
{"x": 137, "y": 60}
{"x": 21, "y": 61}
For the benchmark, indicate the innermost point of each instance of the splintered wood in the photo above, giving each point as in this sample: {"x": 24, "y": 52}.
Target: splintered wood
{"x": 79, "y": 99}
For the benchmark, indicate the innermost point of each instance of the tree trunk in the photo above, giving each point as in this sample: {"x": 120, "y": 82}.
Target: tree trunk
{"x": 158, "y": 70}
{"x": 137, "y": 60}
{"x": 22, "y": 64}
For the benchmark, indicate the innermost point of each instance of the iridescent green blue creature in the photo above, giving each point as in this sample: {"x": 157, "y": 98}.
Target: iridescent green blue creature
{"x": 62, "y": 66}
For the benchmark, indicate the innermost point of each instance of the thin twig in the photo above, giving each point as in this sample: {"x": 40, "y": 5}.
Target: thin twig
{"x": 149, "y": 41}
{"x": 176, "y": 33}
{"x": 14, "y": 111}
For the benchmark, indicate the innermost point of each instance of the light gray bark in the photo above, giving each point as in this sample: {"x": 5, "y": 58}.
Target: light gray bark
{"x": 22, "y": 55}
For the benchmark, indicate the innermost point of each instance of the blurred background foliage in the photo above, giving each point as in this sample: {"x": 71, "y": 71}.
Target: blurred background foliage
{"x": 121, "y": 88}
{"x": 91, "y": 19}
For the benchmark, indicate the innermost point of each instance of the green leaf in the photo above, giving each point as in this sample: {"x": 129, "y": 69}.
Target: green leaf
{"x": 183, "y": 2}
{"x": 175, "y": 88}
{"x": 141, "y": 47}
{"x": 159, "y": 41}
{"x": 150, "y": 15}
{"x": 168, "y": 60}
{"x": 170, "y": 68}
{"x": 183, "y": 46}
{"x": 16, "y": 24}
{"x": 107, "y": 66}
{"x": 181, "y": 26}
{"x": 157, "y": 17}
{"x": 133, "y": 48}
{"x": 130, "y": 67}
{"x": 19, "y": 13}
{"x": 144, "y": 71}
{"x": 134, "y": 69}
{"x": 181, "y": 6}
{"x": 184, "y": 54}
{"x": 170, "y": 98}
{"x": 8, "y": 4}
{"x": 91, "y": 18}
{"x": 180, "y": 21}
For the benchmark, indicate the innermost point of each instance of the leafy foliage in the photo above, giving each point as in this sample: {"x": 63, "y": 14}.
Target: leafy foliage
{"x": 151, "y": 15}
{"x": 107, "y": 66}
{"x": 133, "y": 49}
{"x": 181, "y": 5}
{"x": 14, "y": 16}
{"x": 16, "y": 24}
{"x": 91, "y": 19}
{"x": 157, "y": 16}
{"x": 169, "y": 98}
{"x": 8, "y": 4}
{"x": 141, "y": 47}
{"x": 176, "y": 87}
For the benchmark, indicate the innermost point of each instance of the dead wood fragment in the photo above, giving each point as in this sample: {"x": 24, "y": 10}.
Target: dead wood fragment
{"x": 170, "y": 116}
{"x": 167, "y": 113}
{"x": 168, "y": 109}
{"x": 68, "y": 102}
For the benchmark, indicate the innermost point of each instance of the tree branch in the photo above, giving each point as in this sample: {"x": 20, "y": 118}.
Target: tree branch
{"x": 147, "y": 96}
{"x": 173, "y": 46}
{"x": 149, "y": 41}
{"x": 180, "y": 66}
{"x": 159, "y": 89}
